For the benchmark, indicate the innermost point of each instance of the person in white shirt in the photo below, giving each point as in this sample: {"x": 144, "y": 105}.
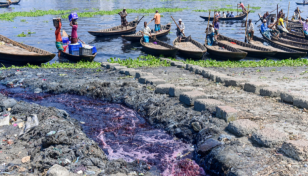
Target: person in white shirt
{"x": 250, "y": 30}
{"x": 146, "y": 33}
{"x": 180, "y": 32}
{"x": 224, "y": 15}
{"x": 210, "y": 32}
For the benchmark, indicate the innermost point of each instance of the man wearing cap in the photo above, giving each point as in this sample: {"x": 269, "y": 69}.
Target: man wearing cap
{"x": 146, "y": 33}
{"x": 265, "y": 30}
{"x": 243, "y": 7}
{"x": 157, "y": 21}
{"x": 123, "y": 15}
{"x": 180, "y": 32}
{"x": 210, "y": 35}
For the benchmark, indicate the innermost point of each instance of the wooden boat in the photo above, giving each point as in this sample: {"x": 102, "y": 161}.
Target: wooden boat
{"x": 196, "y": 50}
{"x": 77, "y": 58}
{"x": 288, "y": 38}
{"x": 13, "y": 3}
{"x": 282, "y": 52}
{"x": 240, "y": 17}
{"x": 117, "y": 30}
{"x": 300, "y": 3}
{"x": 252, "y": 50}
{"x": 159, "y": 48}
{"x": 225, "y": 52}
{"x": 292, "y": 45}
{"x": 19, "y": 53}
{"x": 4, "y": 5}
{"x": 137, "y": 36}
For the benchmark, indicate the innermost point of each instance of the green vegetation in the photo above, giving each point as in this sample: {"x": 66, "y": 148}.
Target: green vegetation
{"x": 23, "y": 20}
{"x": 22, "y": 35}
{"x": 81, "y": 64}
{"x": 141, "y": 61}
{"x": 229, "y": 9}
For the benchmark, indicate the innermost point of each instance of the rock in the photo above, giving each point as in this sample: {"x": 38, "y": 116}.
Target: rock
{"x": 111, "y": 65}
{"x": 155, "y": 81}
{"x": 119, "y": 67}
{"x": 163, "y": 88}
{"x": 104, "y": 64}
{"x": 287, "y": 96}
{"x": 130, "y": 72}
{"x": 189, "y": 98}
{"x": 5, "y": 118}
{"x": 226, "y": 112}
{"x": 296, "y": 149}
{"x": 206, "y": 73}
{"x": 180, "y": 66}
{"x": 39, "y": 74}
{"x": 38, "y": 90}
{"x": 188, "y": 66}
{"x": 57, "y": 170}
{"x": 118, "y": 174}
{"x": 268, "y": 137}
{"x": 140, "y": 74}
{"x": 254, "y": 87}
{"x": 175, "y": 63}
{"x": 236, "y": 82}
{"x": 144, "y": 79}
{"x": 176, "y": 91}
{"x": 207, "y": 104}
{"x": 242, "y": 127}
{"x": 301, "y": 102}
{"x": 196, "y": 126}
{"x": 9, "y": 103}
{"x": 207, "y": 146}
{"x": 213, "y": 75}
{"x": 199, "y": 70}
{"x": 25, "y": 159}
{"x": 270, "y": 92}
{"x": 221, "y": 78}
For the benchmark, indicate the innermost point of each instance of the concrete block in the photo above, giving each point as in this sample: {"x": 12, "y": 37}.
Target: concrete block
{"x": 221, "y": 78}
{"x": 199, "y": 70}
{"x": 140, "y": 74}
{"x": 176, "y": 91}
{"x": 130, "y": 72}
{"x": 193, "y": 68}
{"x": 254, "y": 87}
{"x": 4, "y": 118}
{"x": 296, "y": 149}
{"x": 288, "y": 96}
{"x": 206, "y": 73}
{"x": 155, "y": 81}
{"x": 181, "y": 65}
{"x": 189, "y": 98}
{"x": 269, "y": 137}
{"x": 188, "y": 66}
{"x": 111, "y": 65}
{"x": 213, "y": 76}
{"x": 104, "y": 64}
{"x": 175, "y": 63}
{"x": 119, "y": 67}
{"x": 301, "y": 102}
{"x": 270, "y": 92}
{"x": 242, "y": 127}
{"x": 144, "y": 79}
{"x": 122, "y": 71}
{"x": 207, "y": 104}
{"x": 163, "y": 88}
{"x": 227, "y": 113}
{"x": 8, "y": 103}
{"x": 236, "y": 82}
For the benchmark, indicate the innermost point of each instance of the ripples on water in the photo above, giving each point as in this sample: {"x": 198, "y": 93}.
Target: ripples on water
{"x": 44, "y": 37}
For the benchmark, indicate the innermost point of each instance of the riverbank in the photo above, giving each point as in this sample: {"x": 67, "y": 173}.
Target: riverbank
{"x": 257, "y": 135}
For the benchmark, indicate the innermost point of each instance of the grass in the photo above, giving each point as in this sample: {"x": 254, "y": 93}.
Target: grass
{"x": 141, "y": 61}
{"x": 81, "y": 64}
{"x": 252, "y": 9}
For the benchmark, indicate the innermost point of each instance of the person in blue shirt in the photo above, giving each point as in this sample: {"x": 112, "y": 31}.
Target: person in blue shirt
{"x": 228, "y": 14}
{"x": 265, "y": 30}
{"x": 231, "y": 15}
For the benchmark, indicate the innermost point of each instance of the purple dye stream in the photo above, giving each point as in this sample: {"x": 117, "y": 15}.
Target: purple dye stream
{"x": 121, "y": 132}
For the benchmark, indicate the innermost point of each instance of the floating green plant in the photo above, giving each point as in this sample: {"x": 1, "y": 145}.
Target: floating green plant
{"x": 22, "y": 35}
{"x": 23, "y": 20}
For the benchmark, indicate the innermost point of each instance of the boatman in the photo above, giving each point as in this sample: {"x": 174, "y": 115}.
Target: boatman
{"x": 210, "y": 35}
{"x": 265, "y": 30}
{"x": 146, "y": 33}
{"x": 180, "y": 32}
{"x": 281, "y": 26}
{"x": 250, "y": 30}
{"x": 305, "y": 26}
{"x": 243, "y": 7}
{"x": 74, "y": 36}
{"x": 216, "y": 28}
{"x": 123, "y": 15}
{"x": 297, "y": 13}
{"x": 157, "y": 22}
{"x": 59, "y": 44}
{"x": 272, "y": 26}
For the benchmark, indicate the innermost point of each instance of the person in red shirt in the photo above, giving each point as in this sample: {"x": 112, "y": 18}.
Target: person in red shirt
{"x": 59, "y": 44}
{"x": 243, "y": 7}
{"x": 74, "y": 36}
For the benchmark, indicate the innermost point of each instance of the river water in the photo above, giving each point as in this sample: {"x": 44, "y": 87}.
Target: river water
{"x": 115, "y": 46}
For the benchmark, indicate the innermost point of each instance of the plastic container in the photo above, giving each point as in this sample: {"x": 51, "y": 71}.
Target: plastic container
{"x": 85, "y": 51}
{"x": 74, "y": 48}
{"x": 73, "y": 16}
{"x": 94, "y": 50}
{"x": 56, "y": 22}
{"x": 65, "y": 40}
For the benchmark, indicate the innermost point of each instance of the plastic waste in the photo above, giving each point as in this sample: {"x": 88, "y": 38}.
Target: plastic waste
{"x": 51, "y": 133}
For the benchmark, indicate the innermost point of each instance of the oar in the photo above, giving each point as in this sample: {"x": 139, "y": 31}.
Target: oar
{"x": 288, "y": 16}
{"x": 237, "y": 10}
{"x": 178, "y": 26}
{"x": 260, "y": 18}
{"x": 300, "y": 18}
{"x": 246, "y": 26}
{"x": 81, "y": 41}
{"x": 140, "y": 19}
{"x": 208, "y": 22}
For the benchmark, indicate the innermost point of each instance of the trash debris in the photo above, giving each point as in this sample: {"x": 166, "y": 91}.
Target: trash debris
{"x": 25, "y": 159}
{"x": 51, "y": 133}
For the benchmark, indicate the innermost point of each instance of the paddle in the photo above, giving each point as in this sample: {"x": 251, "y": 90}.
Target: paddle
{"x": 140, "y": 20}
{"x": 260, "y": 18}
{"x": 178, "y": 26}
{"x": 246, "y": 26}
{"x": 208, "y": 22}
{"x": 300, "y": 18}
{"x": 237, "y": 10}
{"x": 288, "y": 16}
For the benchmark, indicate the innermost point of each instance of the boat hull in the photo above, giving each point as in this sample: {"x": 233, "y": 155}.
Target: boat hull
{"x": 103, "y": 34}
{"x": 25, "y": 59}
{"x": 191, "y": 54}
{"x": 13, "y": 3}
{"x": 225, "y": 19}
{"x": 137, "y": 38}
{"x": 157, "y": 52}
{"x": 78, "y": 58}
{"x": 221, "y": 55}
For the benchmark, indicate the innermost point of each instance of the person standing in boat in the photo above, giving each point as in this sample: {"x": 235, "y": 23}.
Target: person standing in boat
{"x": 216, "y": 28}
{"x": 250, "y": 30}
{"x": 243, "y": 7}
{"x": 59, "y": 44}
{"x": 157, "y": 22}
{"x": 273, "y": 28}
{"x": 74, "y": 36}
{"x": 297, "y": 13}
{"x": 280, "y": 14}
{"x": 210, "y": 32}
{"x": 123, "y": 15}
{"x": 281, "y": 25}
{"x": 146, "y": 33}
{"x": 180, "y": 32}
{"x": 305, "y": 26}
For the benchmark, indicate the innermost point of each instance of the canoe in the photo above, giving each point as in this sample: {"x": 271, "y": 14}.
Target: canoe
{"x": 189, "y": 48}
{"x": 292, "y": 45}
{"x": 252, "y": 50}
{"x": 300, "y": 3}
{"x": 159, "y": 48}
{"x": 137, "y": 36}
{"x": 288, "y": 38}
{"x": 241, "y": 17}
{"x": 225, "y": 52}
{"x": 77, "y": 58}
{"x": 282, "y": 52}
{"x": 13, "y": 3}
{"x": 117, "y": 30}
{"x": 4, "y": 5}
{"x": 19, "y": 53}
